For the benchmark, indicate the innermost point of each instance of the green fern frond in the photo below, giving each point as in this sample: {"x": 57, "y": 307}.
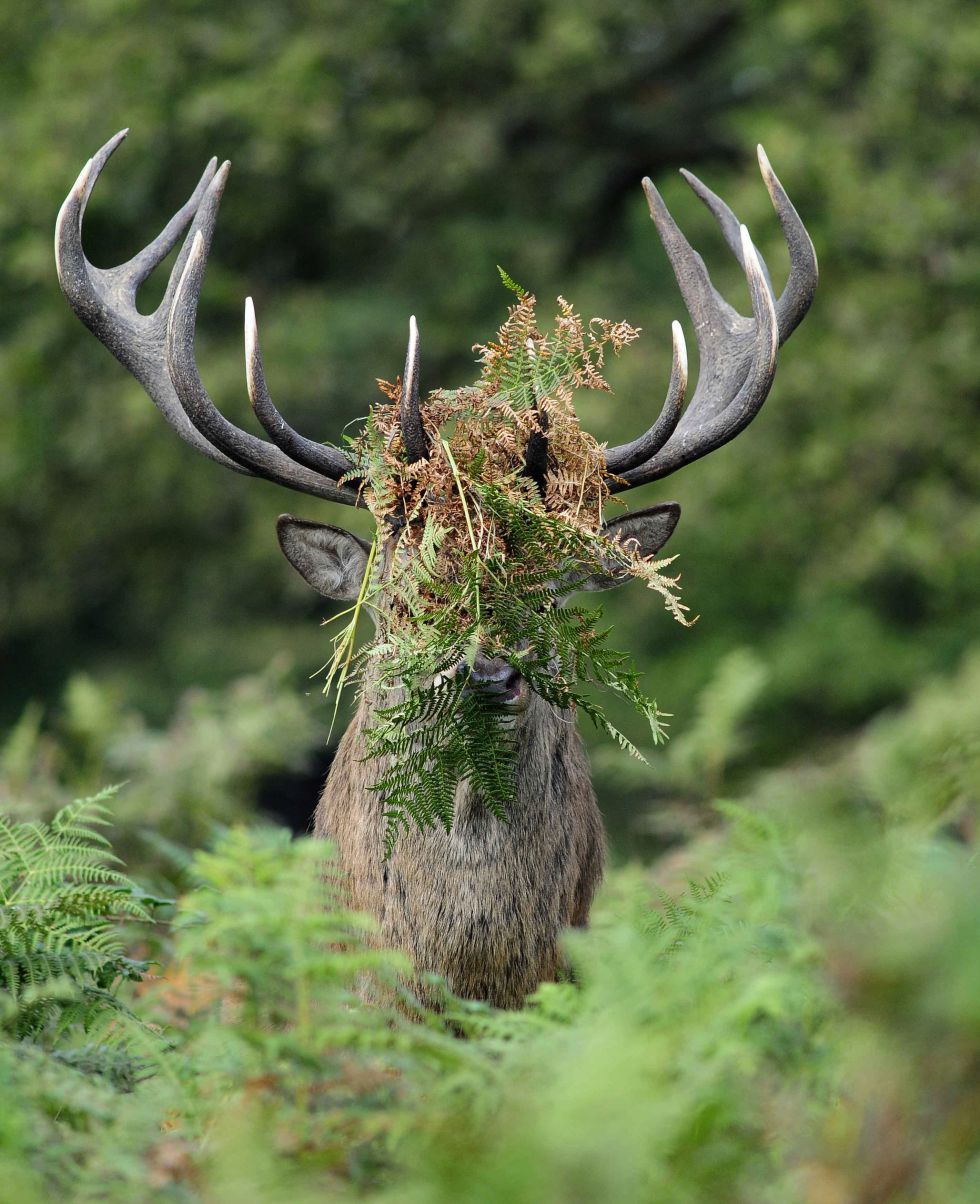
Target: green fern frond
{"x": 514, "y": 287}
{"x": 62, "y": 958}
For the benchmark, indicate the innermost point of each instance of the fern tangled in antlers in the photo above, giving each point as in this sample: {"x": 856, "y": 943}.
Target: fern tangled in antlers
{"x": 486, "y": 555}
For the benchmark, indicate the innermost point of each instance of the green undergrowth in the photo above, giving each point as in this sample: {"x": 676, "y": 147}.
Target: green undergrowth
{"x": 786, "y": 1009}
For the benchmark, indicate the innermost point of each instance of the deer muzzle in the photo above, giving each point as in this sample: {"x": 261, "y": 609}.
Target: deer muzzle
{"x": 497, "y": 680}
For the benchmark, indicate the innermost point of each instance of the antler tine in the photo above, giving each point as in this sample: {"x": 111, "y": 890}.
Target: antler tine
{"x": 801, "y": 284}
{"x": 708, "y": 308}
{"x": 797, "y": 296}
{"x": 259, "y": 457}
{"x": 731, "y": 227}
{"x": 415, "y": 439}
{"x": 736, "y": 365}
{"x": 327, "y": 460}
{"x": 630, "y": 455}
{"x": 126, "y": 278}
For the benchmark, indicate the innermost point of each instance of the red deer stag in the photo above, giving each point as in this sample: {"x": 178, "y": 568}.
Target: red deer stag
{"x": 485, "y": 904}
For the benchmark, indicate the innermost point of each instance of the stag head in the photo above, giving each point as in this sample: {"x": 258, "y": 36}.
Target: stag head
{"x": 737, "y": 357}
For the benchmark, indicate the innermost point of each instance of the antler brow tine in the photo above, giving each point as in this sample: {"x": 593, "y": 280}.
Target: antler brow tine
{"x": 630, "y": 455}
{"x": 536, "y": 452}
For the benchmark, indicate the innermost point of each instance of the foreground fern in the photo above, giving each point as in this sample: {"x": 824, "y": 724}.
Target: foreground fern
{"x": 256, "y": 1031}
{"x": 62, "y": 959}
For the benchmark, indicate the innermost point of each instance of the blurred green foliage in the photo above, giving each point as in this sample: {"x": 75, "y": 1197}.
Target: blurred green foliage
{"x": 386, "y": 157}
{"x": 182, "y": 782}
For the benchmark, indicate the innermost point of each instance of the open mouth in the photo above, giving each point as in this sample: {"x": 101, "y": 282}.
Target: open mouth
{"x": 514, "y": 697}
{"x": 509, "y": 692}
{"x": 502, "y": 686}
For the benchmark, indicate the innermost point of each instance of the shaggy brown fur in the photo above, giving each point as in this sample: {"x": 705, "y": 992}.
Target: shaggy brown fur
{"x": 483, "y": 905}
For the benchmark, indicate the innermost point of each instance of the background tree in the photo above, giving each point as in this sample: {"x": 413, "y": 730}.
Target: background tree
{"x": 385, "y": 159}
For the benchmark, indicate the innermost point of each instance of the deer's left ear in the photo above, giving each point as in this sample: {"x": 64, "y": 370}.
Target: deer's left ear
{"x": 330, "y": 559}
{"x": 648, "y": 529}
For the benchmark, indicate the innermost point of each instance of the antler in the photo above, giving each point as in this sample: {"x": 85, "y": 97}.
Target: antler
{"x": 158, "y": 349}
{"x": 738, "y": 354}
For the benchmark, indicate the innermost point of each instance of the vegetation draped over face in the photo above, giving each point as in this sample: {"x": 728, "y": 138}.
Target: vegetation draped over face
{"x": 483, "y": 557}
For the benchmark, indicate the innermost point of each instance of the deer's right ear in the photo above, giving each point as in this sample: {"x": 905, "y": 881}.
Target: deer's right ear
{"x": 330, "y": 559}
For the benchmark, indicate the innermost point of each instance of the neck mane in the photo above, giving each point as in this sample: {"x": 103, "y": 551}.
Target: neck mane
{"x": 484, "y": 904}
